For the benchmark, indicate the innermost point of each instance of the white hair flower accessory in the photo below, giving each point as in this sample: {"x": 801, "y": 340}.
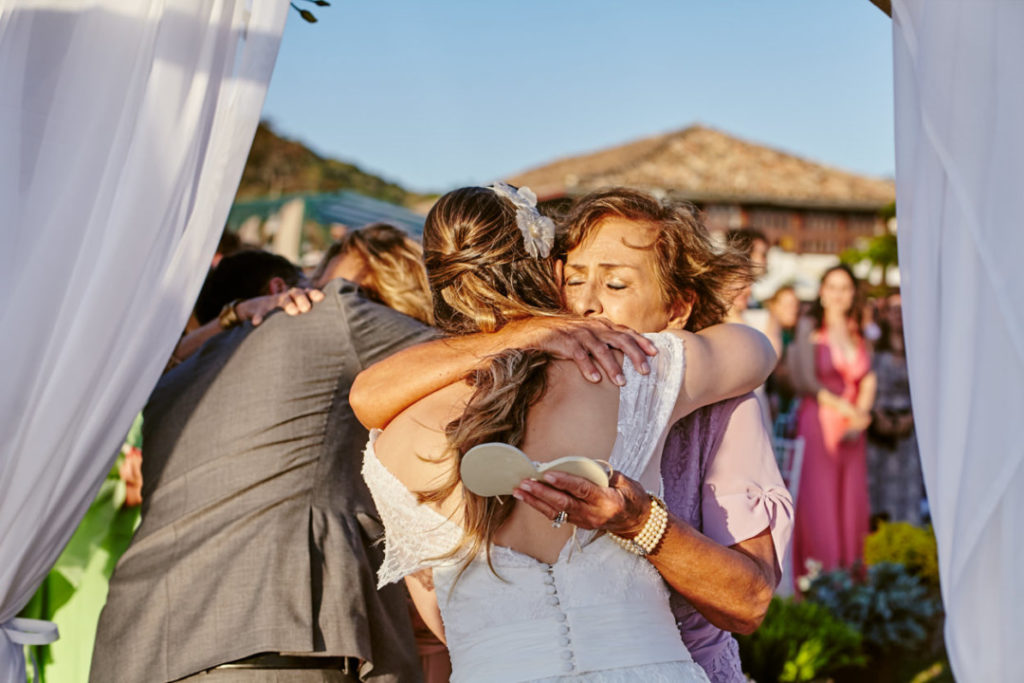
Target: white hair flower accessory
{"x": 538, "y": 231}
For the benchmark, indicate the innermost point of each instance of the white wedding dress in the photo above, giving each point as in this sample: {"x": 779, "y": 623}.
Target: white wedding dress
{"x": 599, "y": 614}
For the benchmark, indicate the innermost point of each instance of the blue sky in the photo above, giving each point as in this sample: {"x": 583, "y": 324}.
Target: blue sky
{"x": 439, "y": 94}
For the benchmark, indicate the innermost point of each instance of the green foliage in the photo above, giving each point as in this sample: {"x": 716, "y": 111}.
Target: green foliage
{"x": 95, "y": 547}
{"x": 306, "y": 14}
{"x": 99, "y": 541}
{"x": 799, "y": 641}
{"x": 902, "y": 543}
{"x": 879, "y": 250}
{"x": 891, "y": 608}
{"x": 277, "y": 166}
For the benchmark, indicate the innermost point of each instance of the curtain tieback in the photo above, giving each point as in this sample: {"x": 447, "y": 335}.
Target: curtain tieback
{"x": 23, "y": 632}
{"x": 30, "y": 631}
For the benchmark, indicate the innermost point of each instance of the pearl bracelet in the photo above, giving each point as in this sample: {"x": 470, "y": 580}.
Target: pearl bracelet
{"x": 647, "y": 541}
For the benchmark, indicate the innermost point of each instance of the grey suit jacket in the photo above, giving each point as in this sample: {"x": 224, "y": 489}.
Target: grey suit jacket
{"x": 258, "y": 533}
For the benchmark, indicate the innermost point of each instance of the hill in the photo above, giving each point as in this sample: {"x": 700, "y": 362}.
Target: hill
{"x": 279, "y": 166}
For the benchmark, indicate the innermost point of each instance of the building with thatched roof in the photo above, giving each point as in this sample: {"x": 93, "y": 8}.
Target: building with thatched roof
{"x": 801, "y": 205}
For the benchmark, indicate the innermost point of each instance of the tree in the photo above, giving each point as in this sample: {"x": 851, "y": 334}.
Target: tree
{"x": 880, "y": 251}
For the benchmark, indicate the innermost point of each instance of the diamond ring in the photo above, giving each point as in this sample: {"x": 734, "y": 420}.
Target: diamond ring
{"x": 559, "y": 519}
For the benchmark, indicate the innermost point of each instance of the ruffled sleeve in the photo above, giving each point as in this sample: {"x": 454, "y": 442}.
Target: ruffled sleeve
{"x": 415, "y": 535}
{"x": 743, "y": 489}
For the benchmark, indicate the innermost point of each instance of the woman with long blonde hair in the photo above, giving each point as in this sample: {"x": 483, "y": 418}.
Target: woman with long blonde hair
{"x": 517, "y": 594}
{"x": 388, "y": 265}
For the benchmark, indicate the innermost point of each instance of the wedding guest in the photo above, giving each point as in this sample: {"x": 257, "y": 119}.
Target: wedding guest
{"x": 895, "y": 481}
{"x": 721, "y": 480}
{"x": 257, "y": 548}
{"x": 869, "y": 324}
{"x": 784, "y": 310}
{"x": 754, "y": 244}
{"x": 386, "y": 263}
{"x": 831, "y": 368}
{"x": 229, "y": 244}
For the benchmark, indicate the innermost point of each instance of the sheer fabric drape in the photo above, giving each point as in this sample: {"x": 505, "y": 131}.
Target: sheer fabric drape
{"x": 124, "y": 127}
{"x": 959, "y": 82}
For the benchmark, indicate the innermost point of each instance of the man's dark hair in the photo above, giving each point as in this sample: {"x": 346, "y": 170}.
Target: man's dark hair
{"x": 243, "y": 275}
{"x": 742, "y": 239}
{"x": 230, "y": 243}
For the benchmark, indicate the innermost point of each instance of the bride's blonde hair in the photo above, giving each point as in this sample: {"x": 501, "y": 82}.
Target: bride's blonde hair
{"x": 481, "y": 278}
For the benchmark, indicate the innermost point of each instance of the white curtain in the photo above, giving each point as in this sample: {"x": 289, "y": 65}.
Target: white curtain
{"x": 124, "y": 127}
{"x": 959, "y": 79}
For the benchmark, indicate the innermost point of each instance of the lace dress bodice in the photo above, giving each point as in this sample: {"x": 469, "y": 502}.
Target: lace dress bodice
{"x": 598, "y": 614}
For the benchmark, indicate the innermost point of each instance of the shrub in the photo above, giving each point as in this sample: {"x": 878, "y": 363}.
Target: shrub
{"x": 906, "y": 544}
{"x": 891, "y": 608}
{"x": 799, "y": 641}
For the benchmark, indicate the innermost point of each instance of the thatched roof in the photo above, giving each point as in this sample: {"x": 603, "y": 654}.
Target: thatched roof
{"x": 702, "y": 164}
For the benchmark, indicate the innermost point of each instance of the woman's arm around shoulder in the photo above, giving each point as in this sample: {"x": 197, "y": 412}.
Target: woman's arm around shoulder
{"x": 722, "y": 361}
{"x": 385, "y": 389}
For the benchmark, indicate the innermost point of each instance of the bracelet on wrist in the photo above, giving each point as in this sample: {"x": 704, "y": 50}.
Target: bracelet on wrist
{"x": 228, "y": 317}
{"x": 650, "y": 536}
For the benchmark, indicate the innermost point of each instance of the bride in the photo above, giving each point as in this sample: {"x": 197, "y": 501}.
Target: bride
{"x": 517, "y": 596}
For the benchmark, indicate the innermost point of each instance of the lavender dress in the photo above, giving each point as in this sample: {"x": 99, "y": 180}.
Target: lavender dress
{"x": 720, "y": 476}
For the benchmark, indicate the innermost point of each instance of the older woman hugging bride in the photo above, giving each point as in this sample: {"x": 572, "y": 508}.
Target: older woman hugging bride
{"x": 516, "y": 594}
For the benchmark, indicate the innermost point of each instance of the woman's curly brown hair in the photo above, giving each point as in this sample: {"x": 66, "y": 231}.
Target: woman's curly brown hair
{"x": 690, "y": 267}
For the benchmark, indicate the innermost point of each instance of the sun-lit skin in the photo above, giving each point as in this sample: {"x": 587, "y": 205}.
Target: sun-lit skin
{"x": 612, "y": 275}
{"x": 759, "y": 255}
{"x": 837, "y": 294}
{"x": 786, "y": 308}
{"x": 351, "y": 265}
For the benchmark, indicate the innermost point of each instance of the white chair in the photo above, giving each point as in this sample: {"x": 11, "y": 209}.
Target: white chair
{"x": 789, "y": 454}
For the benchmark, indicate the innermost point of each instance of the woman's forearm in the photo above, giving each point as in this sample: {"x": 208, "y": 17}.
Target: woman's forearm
{"x": 191, "y": 342}
{"x": 385, "y": 389}
{"x": 730, "y": 586}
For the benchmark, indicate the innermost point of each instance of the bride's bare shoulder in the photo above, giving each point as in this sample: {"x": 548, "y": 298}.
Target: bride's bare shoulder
{"x": 422, "y": 424}
{"x": 564, "y": 377}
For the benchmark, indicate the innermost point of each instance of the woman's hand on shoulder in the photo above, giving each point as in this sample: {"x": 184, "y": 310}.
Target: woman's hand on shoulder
{"x": 293, "y": 301}
{"x": 621, "y": 507}
{"x": 589, "y": 342}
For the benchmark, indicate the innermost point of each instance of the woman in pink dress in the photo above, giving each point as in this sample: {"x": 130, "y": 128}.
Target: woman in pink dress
{"x": 831, "y": 367}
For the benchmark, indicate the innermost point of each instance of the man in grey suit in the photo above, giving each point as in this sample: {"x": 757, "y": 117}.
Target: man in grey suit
{"x": 257, "y": 554}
